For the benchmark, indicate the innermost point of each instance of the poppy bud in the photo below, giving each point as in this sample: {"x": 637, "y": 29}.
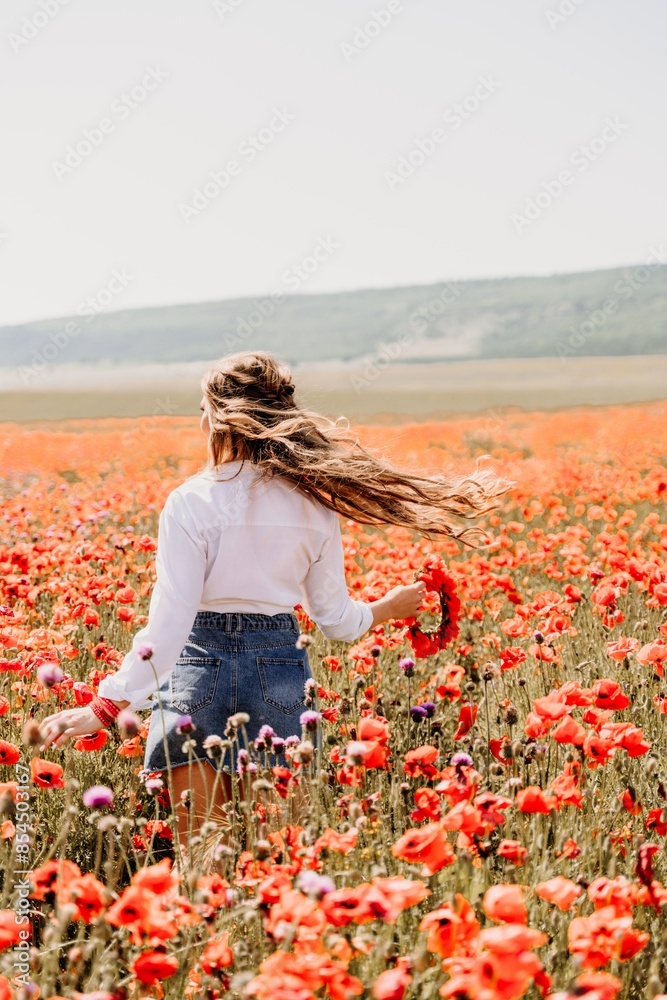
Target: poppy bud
{"x": 511, "y": 716}
{"x": 30, "y": 733}
{"x": 262, "y": 850}
{"x": 7, "y": 804}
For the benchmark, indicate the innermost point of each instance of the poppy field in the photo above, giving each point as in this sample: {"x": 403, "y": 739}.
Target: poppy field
{"x": 476, "y": 805}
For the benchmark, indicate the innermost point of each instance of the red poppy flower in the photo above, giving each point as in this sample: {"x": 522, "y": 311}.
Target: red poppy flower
{"x": 604, "y": 935}
{"x": 511, "y": 657}
{"x": 153, "y": 966}
{"x": 629, "y": 801}
{"x": 93, "y": 741}
{"x": 216, "y": 955}
{"x": 126, "y": 595}
{"x": 570, "y": 849}
{"x": 467, "y": 715}
{"x": 569, "y": 731}
{"x": 533, "y": 800}
{"x": 656, "y": 819}
{"x": 86, "y": 894}
{"x": 427, "y": 845}
{"x": 505, "y": 903}
{"x": 622, "y": 647}
{"x": 428, "y": 805}
{"x": 10, "y": 929}
{"x": 420, "y": 762}
{"x": 331, "y": 840}
{"x": 46, "y": 774}
{"x": 609, "y": 694}
{"x": 560, "y": 891}
{"x": 392, "y": 983}
{"x": 451, "y": 927}
{"x": 654, "y": 653}
{"x": 9, "y": 753}
{"x": 512, "y": 850}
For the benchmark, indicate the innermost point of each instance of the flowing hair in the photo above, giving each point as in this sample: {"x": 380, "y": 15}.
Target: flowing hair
{"x": 253, "y": 415}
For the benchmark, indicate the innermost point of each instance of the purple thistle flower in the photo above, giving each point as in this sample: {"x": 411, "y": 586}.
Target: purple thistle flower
{"x": 315, "y": 885}
{"x": 277, "y": 744}
{"x": 418, "y": 712}
{"x": 309, "y": 719}
{"x": 429, "y": 707}
{"x": 407, "y": 665}
{"x": 97, "y": 796}
{"x": 461, "y": 760}
{"x": 184, "y": 724}
{"x": 263, "y": 739}
{"x": 128, "y": 723}
{"x": 145, "y": 651}
{"x": 356, "y": 751}
{"x": 49, "y": 674}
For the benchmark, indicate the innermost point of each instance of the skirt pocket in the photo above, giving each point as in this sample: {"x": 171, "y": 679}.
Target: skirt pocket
{"x": 193, "y": 682}
{"x": 283, "y": 682}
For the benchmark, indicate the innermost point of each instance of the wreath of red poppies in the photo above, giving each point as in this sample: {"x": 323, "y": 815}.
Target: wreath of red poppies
{"x": 427, "y": 642}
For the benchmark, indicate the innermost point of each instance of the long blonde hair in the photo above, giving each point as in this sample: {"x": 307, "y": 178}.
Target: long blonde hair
{"x": 253, "y": 415}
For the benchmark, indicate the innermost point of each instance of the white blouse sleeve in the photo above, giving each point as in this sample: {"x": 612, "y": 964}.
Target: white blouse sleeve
{"x": 181, "y": 569}
{"x": 325, "y": 596}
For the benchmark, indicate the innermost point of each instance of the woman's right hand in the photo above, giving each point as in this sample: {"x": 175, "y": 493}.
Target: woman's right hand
{"x": 399, "y": 602}
{"x": 69, "y": 724}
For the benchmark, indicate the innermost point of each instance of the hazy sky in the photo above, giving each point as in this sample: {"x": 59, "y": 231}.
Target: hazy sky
{"x": 115, "y": 113}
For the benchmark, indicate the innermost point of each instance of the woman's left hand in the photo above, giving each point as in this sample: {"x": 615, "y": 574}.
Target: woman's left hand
{"x": 56, "y": 729}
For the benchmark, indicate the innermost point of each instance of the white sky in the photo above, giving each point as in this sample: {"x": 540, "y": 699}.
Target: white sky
{"x": 324, "y": 175}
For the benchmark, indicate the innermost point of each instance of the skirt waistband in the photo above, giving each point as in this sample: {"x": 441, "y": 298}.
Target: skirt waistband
{"x": 241, "y": 621}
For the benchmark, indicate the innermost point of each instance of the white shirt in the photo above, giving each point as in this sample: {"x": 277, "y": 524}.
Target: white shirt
{"x": 245, "y": 543}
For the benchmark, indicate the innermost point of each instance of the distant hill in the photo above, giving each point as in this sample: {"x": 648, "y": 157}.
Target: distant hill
{"x": 620, "y": 311}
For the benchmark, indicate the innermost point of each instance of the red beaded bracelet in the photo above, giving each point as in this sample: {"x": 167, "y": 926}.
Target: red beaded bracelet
{"x": 105, "y": 710}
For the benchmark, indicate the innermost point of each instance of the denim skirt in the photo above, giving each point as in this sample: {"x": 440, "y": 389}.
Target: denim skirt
{"x": 232, "y": 662}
